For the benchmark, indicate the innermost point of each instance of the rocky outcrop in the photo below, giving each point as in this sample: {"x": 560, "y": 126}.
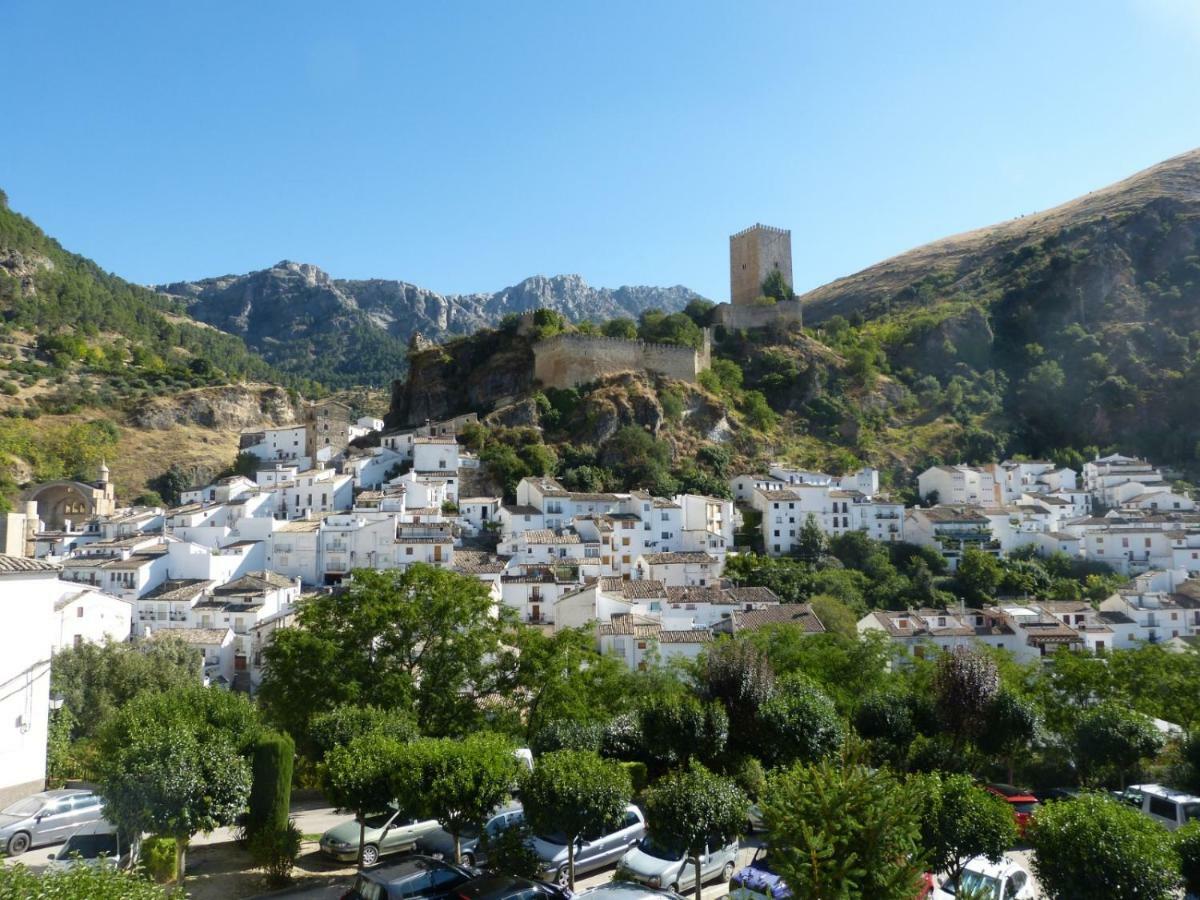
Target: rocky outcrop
{"x": 293, "y": 311}
{"x": 231, "y": 408}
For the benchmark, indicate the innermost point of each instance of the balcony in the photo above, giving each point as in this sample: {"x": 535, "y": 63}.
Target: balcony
{"x": 336, "y": 547}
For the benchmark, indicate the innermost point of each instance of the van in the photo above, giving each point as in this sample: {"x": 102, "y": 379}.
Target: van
{"x": 1170, "y": 808}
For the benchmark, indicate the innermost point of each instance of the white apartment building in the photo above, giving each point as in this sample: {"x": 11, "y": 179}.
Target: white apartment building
{"x": 87, "y": 615}
{"x": 28, "y": 590}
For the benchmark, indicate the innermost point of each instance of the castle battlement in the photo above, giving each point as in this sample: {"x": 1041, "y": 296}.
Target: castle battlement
{"x": 569, "y": 360}
{"x": 758, "y": 226}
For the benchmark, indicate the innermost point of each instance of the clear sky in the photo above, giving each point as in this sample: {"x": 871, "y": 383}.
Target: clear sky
{"x": 465, "y": 145}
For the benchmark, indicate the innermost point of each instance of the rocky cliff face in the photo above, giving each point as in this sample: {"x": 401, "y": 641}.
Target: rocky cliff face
{"x": 347, "y": 330}
{"x": 230, "y": 408}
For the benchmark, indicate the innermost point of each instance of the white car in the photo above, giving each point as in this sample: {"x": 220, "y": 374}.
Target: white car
{"x": 92, "y": 845}
{"x": 1005, "y": 880}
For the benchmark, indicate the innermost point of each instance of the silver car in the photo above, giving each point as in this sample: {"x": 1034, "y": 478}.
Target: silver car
{"x": 92, "y": 845}
{"x": 657, "y": 865}
{"x": 626, "y": 890}
{"x": 591, "y": 851}
{"x": 46, "y": 818}
{"x": 440, "y": 843}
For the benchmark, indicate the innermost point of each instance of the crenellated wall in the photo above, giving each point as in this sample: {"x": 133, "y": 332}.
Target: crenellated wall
{"x": 569, "y": 360}
{"x": 750, "y": 317}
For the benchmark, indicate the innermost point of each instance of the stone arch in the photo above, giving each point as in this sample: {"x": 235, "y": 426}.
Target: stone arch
{"x": 58, "y": 501}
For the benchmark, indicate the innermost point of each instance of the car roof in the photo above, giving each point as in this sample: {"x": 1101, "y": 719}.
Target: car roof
{"x": 494, "y": 884}
{"x": 1002, "y": 869}
{"x": 410, "y": 865}
{"x": 100, "y": 826}
{"x": 63, "y": 792}
{"x": 1010, "y": 792}
{"x": 623, "y": 890}
{"x": 1159, "y": 790}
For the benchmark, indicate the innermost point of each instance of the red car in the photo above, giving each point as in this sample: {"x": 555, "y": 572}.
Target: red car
{"x": 1023, "y": 803}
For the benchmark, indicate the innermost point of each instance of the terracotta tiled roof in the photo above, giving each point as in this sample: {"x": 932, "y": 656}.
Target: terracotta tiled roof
{"x": 687, "y": 556}
{"x": 15, "y": 565}
{"x": 800, "y": 614}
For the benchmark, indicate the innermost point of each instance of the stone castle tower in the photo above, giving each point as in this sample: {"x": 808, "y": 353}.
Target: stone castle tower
{"x": 753, "y": 254}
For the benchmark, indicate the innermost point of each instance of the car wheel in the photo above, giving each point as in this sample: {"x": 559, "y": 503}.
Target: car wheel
{"x": 370, "y": 855}
{"x": 18, "y": 844}
{"x": 468, "y": 859}
{"x": 727, "y": 872}
{"x": 673, "y": 887}
{"x": 562, "y": 877}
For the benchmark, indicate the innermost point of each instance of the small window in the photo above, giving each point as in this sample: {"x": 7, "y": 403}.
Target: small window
{"x": 1160, "y": 806}
{"x": 79, "y": 612}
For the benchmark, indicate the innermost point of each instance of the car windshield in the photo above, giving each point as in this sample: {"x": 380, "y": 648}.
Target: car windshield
{"x": 378, "y": 821}
{"x": 365, "y": 889}
{"x": 27, "y": 807}
{"x": 554, "y": 838}
{"x": 89, "y": 846}
{"x": 1024, "y": 807}
{"x": 659, "y": 849}
{"x": 974, "y": 885}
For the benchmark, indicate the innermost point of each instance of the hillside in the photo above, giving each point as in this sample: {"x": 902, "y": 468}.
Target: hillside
{"x": 1083, "y": 320}
{"x": 343, "y": 332}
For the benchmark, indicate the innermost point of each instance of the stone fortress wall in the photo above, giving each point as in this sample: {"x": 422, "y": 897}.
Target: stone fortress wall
{"x": 754, "y": 253}
{"x": 569, "y": 360}
{"x": 750, "y": 317}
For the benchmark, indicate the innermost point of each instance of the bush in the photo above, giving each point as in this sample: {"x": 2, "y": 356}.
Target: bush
{"x": 274, "y": 850}
{"x": 157, "y": 856}
{"x": 100, "y": 883}
{"x": 622, "y": 737}
{"x": 566, "y": 734}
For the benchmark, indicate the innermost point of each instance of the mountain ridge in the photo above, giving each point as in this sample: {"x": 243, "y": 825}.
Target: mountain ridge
{"x": 292, "y": 313}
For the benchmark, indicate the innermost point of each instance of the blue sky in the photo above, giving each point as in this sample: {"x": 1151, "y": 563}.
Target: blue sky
{"x": 463, "y": 146}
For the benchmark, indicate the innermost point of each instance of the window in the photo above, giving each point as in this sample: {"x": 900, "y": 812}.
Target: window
{"x": 78, "y": 641}
{"x": 441, "y": 464}
{"x": 79, "y": 612}
{"x": 1160, "y": 806}
{"x": 408, "y": 551}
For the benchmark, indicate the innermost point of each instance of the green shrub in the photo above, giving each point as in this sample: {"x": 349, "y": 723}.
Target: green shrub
{"x": 157, "y": 856}
{"x": 100, "y": 883}
{"x": 274, "y": 850}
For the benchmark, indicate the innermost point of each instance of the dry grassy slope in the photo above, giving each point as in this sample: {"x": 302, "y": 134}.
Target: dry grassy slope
{"x": 1177, "y": 178}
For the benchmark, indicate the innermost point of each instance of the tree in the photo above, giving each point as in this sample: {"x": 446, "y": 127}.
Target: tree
{"x": 885, "y": 720}
{"x": 676, "y": 728}
{"x": 340, "y": 725}
{"x": 620, "y": 328}
{"x": 269, "y": 803}
{"x": 96, "y": 680}
{"x": 843, "y": 830}
{"x": 359, "y": 775}
{"x": 1187, "y": 846}
{"x": 776, "y": 287}
{"x": 978, "y": 575}
{"x": 172, "y": 764}
{"x": 811, "y": 543}
{"x": 422, "y": 638}
{"x": 1010, "y": 726}
{"x": 1094, "y": 846}
{"x": 738, "y": 675}
{"x": 1113, "y": 738}
{"x": 799, "y": 722}
{"x": 965, "y": 681}
{"x": 459, "y": 783}
{"x": 960, "y": 820}
{"x": 575, "y": 792}
{"x": 690, "y": 809}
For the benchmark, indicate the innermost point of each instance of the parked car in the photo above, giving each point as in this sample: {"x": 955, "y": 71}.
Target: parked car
{"x": 758, "y": 881}
{"x": 1023, "y": 803}
{"x": 92, "y": 845}
{"x": 507, "y": 887}
{"x": 46, "y": 818}
{"x": 986, "y": 880}
{"x": 389, "y": 832}
{"x": 1057, "y": 793}
{"x": 592, "y": 851}
{"x": 414, "y": 878}
{"x": 439, "y": 843}
{"x": 656, "y": 864}
{"x": 754, "y": 819}
{"x": 1166, "y": 806}
{"x": 626, "y": 890}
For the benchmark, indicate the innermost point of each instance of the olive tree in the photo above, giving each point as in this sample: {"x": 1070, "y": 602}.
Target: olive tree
{"x": 575, "y": 792}
{"x": 1094, "y": 846}
{"x": 688, "y": 809}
